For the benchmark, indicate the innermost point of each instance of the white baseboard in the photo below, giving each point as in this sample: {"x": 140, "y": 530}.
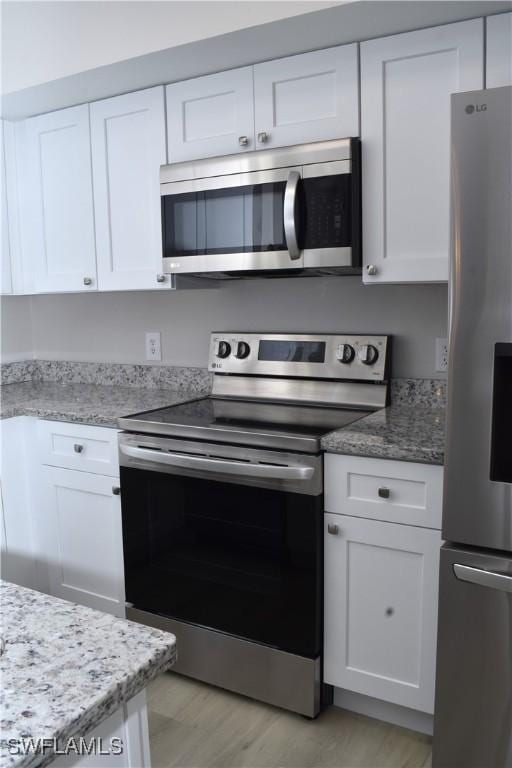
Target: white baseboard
{"x": 384, "y": 710}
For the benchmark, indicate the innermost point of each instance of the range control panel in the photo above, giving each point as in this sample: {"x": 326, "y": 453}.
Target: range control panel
{"x": 355, "y": 357}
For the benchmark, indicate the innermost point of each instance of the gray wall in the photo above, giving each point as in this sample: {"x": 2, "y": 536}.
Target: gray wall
{"x": 16, "y": 328}
{"x": 111, "y": 326}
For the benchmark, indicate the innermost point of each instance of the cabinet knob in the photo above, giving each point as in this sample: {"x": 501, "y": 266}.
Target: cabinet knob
{"x": 78, "y": 448}
{"x": 333, "y": 529}
{"x": 116, "y": 490}
{"x": 262, "y": 137}
{"x": 243, "y": 141}
{"x": 160, "y": 278}
{"x": 384, "y": 493}
{"x": 371, "y": 269}
{"x": 87, "y": 280}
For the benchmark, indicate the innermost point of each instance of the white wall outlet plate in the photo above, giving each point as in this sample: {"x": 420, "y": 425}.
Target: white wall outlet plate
{"x": 441, "y": 355}
{"x": 153, "y": 345}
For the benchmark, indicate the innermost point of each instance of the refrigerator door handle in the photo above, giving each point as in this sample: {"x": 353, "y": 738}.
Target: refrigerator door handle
{"x": 483, "y": 578}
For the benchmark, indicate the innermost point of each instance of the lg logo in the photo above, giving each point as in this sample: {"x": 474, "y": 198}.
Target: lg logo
{"x": 475, "y": 108}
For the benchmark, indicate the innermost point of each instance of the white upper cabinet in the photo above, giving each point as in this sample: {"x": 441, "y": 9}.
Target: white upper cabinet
{"x": 498, "y": 70}
{"x": 5, "y": 255}
{"x": 128, "y": 148}
{"x": 309, "y": 97}
{"x": 406, "y": 83}
{"x": 57, "y": 221}
{"x": 211, "y": 115}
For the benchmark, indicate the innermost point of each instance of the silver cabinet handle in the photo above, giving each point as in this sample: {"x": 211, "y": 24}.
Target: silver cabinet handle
{"x": 116, "y": 490}
{"x": 333, "y": 529}
{"x": 219, "y": 465}
{"x": 262, "y": 137}
{"x": 371, "y": 269}
{"x": 483, "y": 578}
{"x": 243, "y": 141}
{"x": 87, "y": 280}
{"x": 290, "y": 228}
{"x": 160, "y": 278}
{"x": 384, "y": 493}
{"x": 78, "y": 448}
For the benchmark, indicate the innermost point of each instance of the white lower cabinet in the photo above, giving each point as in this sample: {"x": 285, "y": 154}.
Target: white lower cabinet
{"x": 82, "y": 514}
{"x": 381, "y": 582}
{"x": 123, "y": 737}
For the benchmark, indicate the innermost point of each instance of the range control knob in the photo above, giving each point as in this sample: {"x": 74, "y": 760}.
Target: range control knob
{"x": 345, "y": 353}
{"x": 242, "y": 350}
{"x": 223, "y": 349}
{"x": 368, "y": 354}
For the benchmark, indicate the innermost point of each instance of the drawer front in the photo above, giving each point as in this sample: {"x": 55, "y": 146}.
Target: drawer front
{"x": 76, "y": 446}
{"x": 392, "y": 491}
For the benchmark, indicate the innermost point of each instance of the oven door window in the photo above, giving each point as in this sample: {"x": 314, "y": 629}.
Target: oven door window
{"x": 246, "y": 219}
{"x": 239, "y": 559}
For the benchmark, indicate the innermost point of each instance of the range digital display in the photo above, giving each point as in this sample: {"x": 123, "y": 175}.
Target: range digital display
{"x": 292, "y": 351}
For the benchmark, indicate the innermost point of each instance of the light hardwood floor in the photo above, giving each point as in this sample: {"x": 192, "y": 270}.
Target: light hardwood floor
{"x": 193, "y": 725}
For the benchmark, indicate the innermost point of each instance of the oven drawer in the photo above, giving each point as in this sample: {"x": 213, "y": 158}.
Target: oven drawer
{"x": 78, "y": 446}
{"x": 393, "y": 491}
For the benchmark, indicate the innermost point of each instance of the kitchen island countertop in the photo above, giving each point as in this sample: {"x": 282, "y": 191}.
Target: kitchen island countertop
{"x": 66, "y": 668}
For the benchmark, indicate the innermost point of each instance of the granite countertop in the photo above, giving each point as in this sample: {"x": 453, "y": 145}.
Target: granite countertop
{"x": 403, "y": 432}
{"x": 66, "y": 668}
{"x": 98, "y": 404}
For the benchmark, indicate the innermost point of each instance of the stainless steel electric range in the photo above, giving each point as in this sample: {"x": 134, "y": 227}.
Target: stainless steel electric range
{"x": 222, "y": 503}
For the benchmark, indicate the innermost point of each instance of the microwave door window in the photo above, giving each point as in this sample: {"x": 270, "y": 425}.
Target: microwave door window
{"x": 233, "y": 220}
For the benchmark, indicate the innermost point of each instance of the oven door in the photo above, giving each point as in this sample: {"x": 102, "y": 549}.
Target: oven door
{"x": 231, "y": 224}
{"x": 226, "y": 538}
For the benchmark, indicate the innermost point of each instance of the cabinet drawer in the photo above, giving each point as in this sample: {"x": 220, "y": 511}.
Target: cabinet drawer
{"x": 392, "y": 491}
{"x": 75, "y": 446}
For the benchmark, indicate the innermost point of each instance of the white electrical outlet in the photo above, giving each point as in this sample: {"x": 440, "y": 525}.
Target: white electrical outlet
{"x": 153, "y": 345}
{"x": 441, "y": 355}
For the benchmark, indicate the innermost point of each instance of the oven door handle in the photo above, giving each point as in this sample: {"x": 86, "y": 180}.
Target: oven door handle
{"x": 290, "y": 225}
{"x": 226, "y": 467}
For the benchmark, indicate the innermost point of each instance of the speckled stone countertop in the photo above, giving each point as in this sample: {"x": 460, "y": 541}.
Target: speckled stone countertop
{"x": 66, "y": 668}
{"x": 403, "y": 432}
{"x": 98, "y": 404}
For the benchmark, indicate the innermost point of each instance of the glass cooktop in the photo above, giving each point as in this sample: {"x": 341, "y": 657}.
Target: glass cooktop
{"x": 240, "y": 421}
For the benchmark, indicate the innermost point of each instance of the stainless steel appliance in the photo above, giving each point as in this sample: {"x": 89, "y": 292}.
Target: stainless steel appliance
{"x": 222, "y": 504}
{"x": 473, "y": 712}
{"x": 286, "y": 211}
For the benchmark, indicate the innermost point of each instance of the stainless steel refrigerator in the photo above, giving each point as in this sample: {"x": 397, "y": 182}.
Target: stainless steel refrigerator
{"x": 473, "y": 711}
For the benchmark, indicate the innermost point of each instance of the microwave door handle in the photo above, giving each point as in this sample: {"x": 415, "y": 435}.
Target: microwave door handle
{"x": 290, "y": 224}
{"x": 204, "y": 463}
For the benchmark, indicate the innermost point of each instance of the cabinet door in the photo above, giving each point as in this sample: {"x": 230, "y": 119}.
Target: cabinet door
{"x": 310, "y": 97}
{"x": 5, "y": 255}
{"x": 84, "y": 538}
{"x": 128, "y": 148}
{"x": 498, "y": 69}
{"x": 406, "y": 83}
{"x": 381, "y": 609}
{"x": 209, "y": 116}
{"x": 56, "y": 192}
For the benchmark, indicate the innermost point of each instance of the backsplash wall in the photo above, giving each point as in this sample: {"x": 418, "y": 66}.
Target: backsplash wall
{"x": 111, "y": 326}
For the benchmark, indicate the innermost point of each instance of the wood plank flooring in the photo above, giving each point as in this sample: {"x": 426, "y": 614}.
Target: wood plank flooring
{"x": 193, "y": 725}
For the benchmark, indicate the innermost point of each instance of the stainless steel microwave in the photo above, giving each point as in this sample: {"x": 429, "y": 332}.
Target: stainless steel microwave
{"x": 295, "y": 210}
